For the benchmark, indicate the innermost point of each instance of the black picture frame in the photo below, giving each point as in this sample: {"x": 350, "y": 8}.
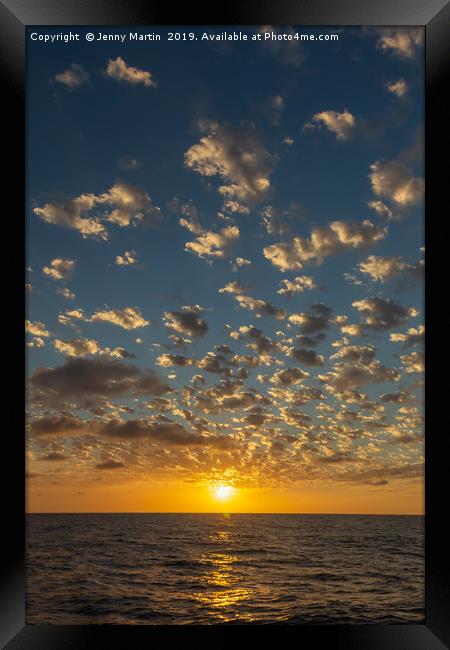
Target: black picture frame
{"x": 15, "y": 16}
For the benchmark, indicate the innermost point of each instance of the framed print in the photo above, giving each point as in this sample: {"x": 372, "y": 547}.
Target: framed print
{"x": 228, "y": 424}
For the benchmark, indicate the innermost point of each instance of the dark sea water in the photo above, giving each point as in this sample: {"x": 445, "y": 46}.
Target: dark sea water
{"x": 207, "y": 569}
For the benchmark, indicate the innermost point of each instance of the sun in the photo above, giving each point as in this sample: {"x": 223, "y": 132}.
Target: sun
{"x": 223, "y": 492}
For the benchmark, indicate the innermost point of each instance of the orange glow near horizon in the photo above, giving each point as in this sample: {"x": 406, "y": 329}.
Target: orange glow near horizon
{"x": 223, "y": 497}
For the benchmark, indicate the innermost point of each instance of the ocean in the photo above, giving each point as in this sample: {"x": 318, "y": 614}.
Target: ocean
{"x": 160, "y": 569}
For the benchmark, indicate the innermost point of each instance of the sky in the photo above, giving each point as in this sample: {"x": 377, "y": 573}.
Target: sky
{"x": 225, "y": 257}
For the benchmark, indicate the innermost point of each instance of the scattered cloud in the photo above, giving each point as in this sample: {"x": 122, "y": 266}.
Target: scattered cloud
{"x": 129, "y": 318}
{"x": 382, "y": 269}
{"x": 117, "y": 69}
{"x": 297, "y": 285}
{"x": 402, "y": 42}
{"x": 73, "y": 77}
{"x": 187, "y": 322}
{"x": 237, "y": 156}
{"x": 414, "y": 362}
{"x": 36, "y": 329}
{"x": 87, "y": 379}
{"x": 413, "y": 336}
{"x": 60, "y": 269}
{"x": 238, "y": 263}
{"x": 130, "y": 205}
{"x": 343, "y": 124}
{"x": 66, "y": 293}
{"x": 316, "y": 320}
{"x": 398, "y": 88}
{"x": 84, "y": 347}
{"x": 381, "y": 314}
{"x": 394, "y": 181}
{"x": 329, "y": 240}
{"x": 260, "y": 307}
{"x": 128, "y": 258}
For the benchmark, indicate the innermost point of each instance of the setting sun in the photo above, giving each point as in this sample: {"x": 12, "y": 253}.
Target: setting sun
{"x": 224, "y": 492}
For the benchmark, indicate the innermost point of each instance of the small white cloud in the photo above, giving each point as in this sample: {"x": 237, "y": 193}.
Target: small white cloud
{"x": 402, "y": 42}
{"x": 60, "y": 269}
{"x": 117, "y": 69}
{"x": 74, "y": 77}
{"x": 399, "y": 87}
{"x": 128, "y": 258}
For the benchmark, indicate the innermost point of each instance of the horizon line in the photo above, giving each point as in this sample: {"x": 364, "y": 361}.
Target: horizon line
{"x": 224, "y": 512}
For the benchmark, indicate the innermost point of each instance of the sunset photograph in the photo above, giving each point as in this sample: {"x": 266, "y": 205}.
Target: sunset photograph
{"x": 225, "y": 325}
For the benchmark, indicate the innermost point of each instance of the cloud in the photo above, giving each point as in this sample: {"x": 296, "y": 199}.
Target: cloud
{"x": 54, "y": 457}
{"x": 66, "y": 293}
{"x": 117, "y": 69}
{"x": 383, "y": 314}
{"x": 60, "y": 269}
{"x": 36, "y": 328}
{"x": 110, "y": 464}
{"x": 256, "y": 339}
{"x": 383, "y": 269}
{"x": 297, "y": 285}
{"x": 298, "y": 397}
{"x": 238, "y": 263}
{"x": 93, "y": 378}
{"x": 260, "y": 307}
{"x": 161, "y": 430}
{"x": 70, "y": 316}
{"x": 129, "y": 318}
{"x": 58, "y": 425}
{"x": 394, "y": 181}
{"x": 73, "y": 77}
{"x": 233, "y": 288}
{"x": 313, "y": 321}
{"x": 383, "y": 211}
{"x": 402, "y": 42}
{"x": 237, "y": 156}
{"x": 399, "y": 397}
{"x": 414, "y": 336}
{"x": 343, "y": 124}
{"x": 84, "y": 347}
{"x": 187, "y": 322}
{"x": 329, "y": 240}
{"x": 356, "y": 367}
{"x": 130, "y": 205}
{"x": 213, "y": 244}
{"x": 127, "y": 258}
{"x": 234, "y": 207}
{"x": 289, "y": 377}
{"x": 207, "y": 243}
{"x": 414, "y": 362}
{"x": 308, "y": 357}
{"x": 277, "y": 222}
{"x": 399, "y": 87}
{"x": 169, "y": 360}
{"x": 166, "y": 432}
{"x": 364, "y": 354}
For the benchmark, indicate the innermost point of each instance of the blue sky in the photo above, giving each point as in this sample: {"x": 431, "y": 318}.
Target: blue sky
{"x": 267, "y": 144}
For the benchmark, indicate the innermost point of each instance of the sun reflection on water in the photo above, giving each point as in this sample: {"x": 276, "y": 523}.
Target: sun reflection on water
{"x": 224, "y": 594}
